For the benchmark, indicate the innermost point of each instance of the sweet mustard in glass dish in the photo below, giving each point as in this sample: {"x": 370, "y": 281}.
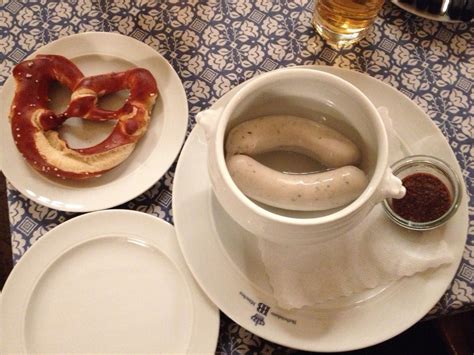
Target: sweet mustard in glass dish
{"x": 434, "y": 193}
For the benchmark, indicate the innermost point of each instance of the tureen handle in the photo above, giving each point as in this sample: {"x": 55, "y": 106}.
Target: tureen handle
{"x": 208, "y": 121}
{"x": 391, "y": 186}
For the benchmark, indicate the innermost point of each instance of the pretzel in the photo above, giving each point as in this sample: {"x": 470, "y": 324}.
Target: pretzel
{"x": 34, "y": 125}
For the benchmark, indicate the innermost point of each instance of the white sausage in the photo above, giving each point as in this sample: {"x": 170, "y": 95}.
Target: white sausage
{"x": 290, "y": 133}
{"x": 301, "y": 192}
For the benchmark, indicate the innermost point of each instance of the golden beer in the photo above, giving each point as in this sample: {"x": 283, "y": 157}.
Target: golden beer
{"x": 344, "y": 21}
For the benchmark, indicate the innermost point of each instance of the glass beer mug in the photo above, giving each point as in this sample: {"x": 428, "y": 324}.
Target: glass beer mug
{"x": 342, "y": 22}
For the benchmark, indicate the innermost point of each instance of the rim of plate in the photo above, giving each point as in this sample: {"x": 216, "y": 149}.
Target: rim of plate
{"x": 144, "y": 167}
{"x": 140, "y": 227}
{"x": 426, "y": 300}
{"x": 424, "y": 14}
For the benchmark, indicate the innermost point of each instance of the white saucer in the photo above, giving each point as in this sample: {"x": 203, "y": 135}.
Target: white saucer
{"x": 106, "y": 282}
{"x": 226, "y": 262}
{"x": 96, "y": 53}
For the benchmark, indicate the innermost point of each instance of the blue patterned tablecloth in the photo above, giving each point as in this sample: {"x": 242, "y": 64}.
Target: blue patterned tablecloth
{"x": 216, "y": 44}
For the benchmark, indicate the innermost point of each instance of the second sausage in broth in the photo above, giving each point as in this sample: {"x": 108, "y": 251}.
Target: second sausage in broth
{"x": 300, "y": 192}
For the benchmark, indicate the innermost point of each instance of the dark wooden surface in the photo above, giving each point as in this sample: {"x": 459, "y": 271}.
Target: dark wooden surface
{"x": 450, "y": 335}
{"x": 5, "y": 241}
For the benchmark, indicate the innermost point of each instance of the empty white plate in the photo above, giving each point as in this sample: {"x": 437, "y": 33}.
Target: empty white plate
{"x": 109, "y": 281}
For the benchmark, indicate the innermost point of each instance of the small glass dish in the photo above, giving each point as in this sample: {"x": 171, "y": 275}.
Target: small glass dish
{"x": 429, "y": 165}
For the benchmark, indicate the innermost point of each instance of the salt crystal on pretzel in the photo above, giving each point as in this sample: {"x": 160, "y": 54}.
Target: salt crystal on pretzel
{"x": 34, "y": 124}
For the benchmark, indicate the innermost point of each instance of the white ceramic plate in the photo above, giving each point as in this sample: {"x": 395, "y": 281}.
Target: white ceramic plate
{"x": 95, "y": 53}
{"x": 233, "y": 275}
{"x": 106, "y": 282}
